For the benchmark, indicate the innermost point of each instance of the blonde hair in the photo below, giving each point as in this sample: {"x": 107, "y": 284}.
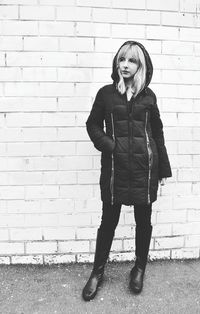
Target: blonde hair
{"x": 139, "y": 78}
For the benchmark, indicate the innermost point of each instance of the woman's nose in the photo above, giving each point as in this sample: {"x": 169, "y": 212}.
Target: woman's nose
{"x": 125, "y": 63}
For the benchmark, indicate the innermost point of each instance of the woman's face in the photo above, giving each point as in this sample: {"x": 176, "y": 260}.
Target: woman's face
{"x": 128, "y": 66}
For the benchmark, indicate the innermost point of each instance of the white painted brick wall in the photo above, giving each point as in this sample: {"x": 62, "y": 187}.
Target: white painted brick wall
{"x": 54, "y": 56}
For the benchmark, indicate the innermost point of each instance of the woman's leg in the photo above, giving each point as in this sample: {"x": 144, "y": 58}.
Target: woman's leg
{"x": 142, "y": 241}
{"x": 105, "y": 234}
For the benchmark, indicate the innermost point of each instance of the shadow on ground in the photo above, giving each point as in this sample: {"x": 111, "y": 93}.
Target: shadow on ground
{"x": 170, "y": 287}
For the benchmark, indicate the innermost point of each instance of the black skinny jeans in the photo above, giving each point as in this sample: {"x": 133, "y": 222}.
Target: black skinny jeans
{"x": 111, "y": 214}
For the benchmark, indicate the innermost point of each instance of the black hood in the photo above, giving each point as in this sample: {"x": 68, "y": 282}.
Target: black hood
{"x": 149, "y": 66}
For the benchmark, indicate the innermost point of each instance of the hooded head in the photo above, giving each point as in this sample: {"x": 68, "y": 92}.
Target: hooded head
{"x": 145, "y": 70}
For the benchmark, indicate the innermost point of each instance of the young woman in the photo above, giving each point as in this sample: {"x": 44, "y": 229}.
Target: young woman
{"x": 134, "y": 157}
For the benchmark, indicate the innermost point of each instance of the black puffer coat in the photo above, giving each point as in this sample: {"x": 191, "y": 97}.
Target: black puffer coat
{"x": 134, "y": 155}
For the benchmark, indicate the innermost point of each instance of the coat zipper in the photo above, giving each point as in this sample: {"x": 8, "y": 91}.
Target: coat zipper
{"x": 112, "y": 165}
{"x": 149, "y": 150}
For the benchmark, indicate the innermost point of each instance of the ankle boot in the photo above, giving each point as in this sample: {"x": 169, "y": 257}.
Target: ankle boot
{"x": 143, "y": 238}
{"x": 103, "y": 245}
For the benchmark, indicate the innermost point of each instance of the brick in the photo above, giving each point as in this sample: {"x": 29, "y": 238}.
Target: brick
{"x": 75, "y": 75}
{"x": 84, "y": 148}
{"x": 9, "y": 248}
{"x": 132, "y": 4}
{"x": 40, "y": 44}
{"x": 40, "y": 163}
{"x": 8, "y": 12}
{"x": 41, "y": 247}
{"x": 25, "y": 234}
{"x": 124, "y": 31}
{"x": 22, "y": 206}
{"x": 80, "y": 104}
{"x": 23, "y": 119}
{"x": 94, "y": 3}
{"x": 4, "y": 234}
{"x": 162, "y": 32}
{"x": 88, "y": 177}
{"x": 10, "y": 74}
{"x": 38, "y": 134}
{"x": 161, "y": 254}
{"x": 129, "y": 245}
{"x": 188, "y": 34}
{"x": 75, "y": 163}
{"x": 56, "y": 89}
{"x": 11, "y": 43}
{"x": 72, "y": 134}
{"x": 36, "y": 13}
{"x": 193, "y": 215}
{"x": 165, "y": 243}
{"x": 185, "y": 253}
{"x": 23, "y": 149}
{"x": 11, "y": 192}
{"x": 80, "y": 219}
{"x": 185, "y": 77}
{"x": 187, "y": 228}
{"x": 92, "y": 59}
{"x": 177, "y": 47}
{"x": 120, "y": 257}
{"x": 116, "y": 246}
{"x": 192, "y": 241}
{"x": 56, "y": 28}
{"x": 189, "y": 174}
{"x": 171, "y": 5}
{"x": 85, "y": 258}
{"x": 187, "y": 202}
{"x": 177, "y": 105}
{"x": 170, "y": 216}
{"x": 4, "y": 260}
{"x": 73, "y": 246}
{"x": 72, "y": 44}
{"x": 35, "y": 58}
{"x": 125, "y": 232}
{"x": 21, "y": 89}
{"x": 59, "y": 259}
{"x": 57, "y": 2}
{"x": 196, "y": 161}
{"x": 27, "y": 2}
{"x": 177, "y": 19}
{"x": 196, "y": 133}
{"x": 59, "y": 177}
{"x": 28, "y": 104}
{"x": 101, "y": 75}
{"x": 59, "y": 233}
{"x": 25, "y": 259}
{"x": 107, "y": 45}
{"x": 25, "y": 178}
{"x": 162, "y": 230}
{"x": 86, "y": 233}
{"x": 40, "y": 192}
{"x": 109, "y": 15}
{"x": 73, "y": 13}
{"x": 143, "y": 17}
{"x": 19, "y": 28}
{"x": 189, "y": 147}
{"x": 189, "y": 6}
{"x": 92, "y": 29}
{"x": 58, "y": 119}
{"x": 57, "y": 205}
{"x": 195, "y": 187}
{"x": 76, "y": 191}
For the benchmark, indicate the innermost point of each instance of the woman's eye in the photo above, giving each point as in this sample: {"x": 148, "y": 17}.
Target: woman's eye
{"x": 121, "y": 59}
{"x": 132, "y": 60}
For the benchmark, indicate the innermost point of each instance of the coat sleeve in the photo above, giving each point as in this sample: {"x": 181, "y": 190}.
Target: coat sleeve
{"x": 158, "y": 136}
{"x": 95, "y": 126}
